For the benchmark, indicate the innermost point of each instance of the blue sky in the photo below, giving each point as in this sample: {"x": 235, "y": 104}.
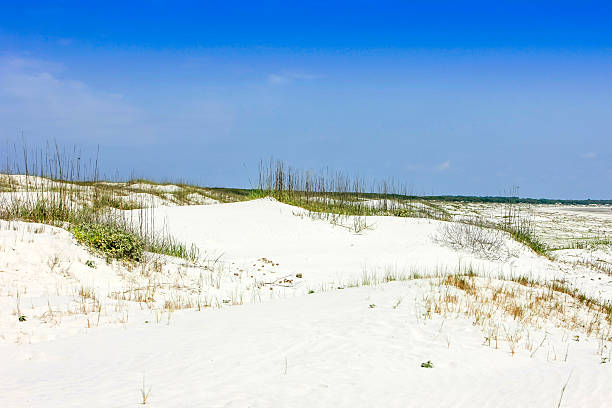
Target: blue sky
{"x": 448, "y": 97}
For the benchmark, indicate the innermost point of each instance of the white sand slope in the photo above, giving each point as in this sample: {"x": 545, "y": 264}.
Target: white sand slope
{"x": 322, "y": 252}
{"x": 355, "y": 347}
{"x": 325, "y": 350}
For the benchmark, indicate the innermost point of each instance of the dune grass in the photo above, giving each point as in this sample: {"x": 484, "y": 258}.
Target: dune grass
{"x": 61, "y": 187}
{"x": 335, "y": 193}
{"x": 53, "y": 186}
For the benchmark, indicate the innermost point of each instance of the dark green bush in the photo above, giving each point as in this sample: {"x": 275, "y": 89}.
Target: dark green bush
{"x": 110, "y": 240}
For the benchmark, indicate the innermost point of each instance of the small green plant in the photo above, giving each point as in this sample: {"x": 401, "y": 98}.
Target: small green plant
{"x": 604, "y": 360}
{"x": 310, "y": 291}
{"x": 427, "y": 364}
{"x": 110, "y": 240}
{"x": 90, "y": 263}
{"x": 22, "y": 318}
{"x": 372, "y": 306}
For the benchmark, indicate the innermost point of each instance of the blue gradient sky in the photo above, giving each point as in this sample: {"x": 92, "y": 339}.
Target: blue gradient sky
{"x": 450, "y": 98}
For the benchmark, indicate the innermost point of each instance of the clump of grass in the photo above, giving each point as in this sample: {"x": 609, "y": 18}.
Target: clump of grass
{"x": 171, "y": 247}
{"x": 526, "y": 236}
{"x": 110, "y": 240}
{"x": 462, "y": 282}
{"x": 522, "y": 229}
{"x": 110, "y": 200}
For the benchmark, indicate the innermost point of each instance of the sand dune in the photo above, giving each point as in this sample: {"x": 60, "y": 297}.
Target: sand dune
{"x": 93, "y": 334}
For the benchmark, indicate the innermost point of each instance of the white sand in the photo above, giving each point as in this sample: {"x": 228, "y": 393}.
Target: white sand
{"x": 347, "y": 348}
{"x": 320, "y": 350}
{"x": 247, "y": 231}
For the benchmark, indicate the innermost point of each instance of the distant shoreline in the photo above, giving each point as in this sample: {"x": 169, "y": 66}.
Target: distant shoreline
{"x": 599, "y": 210}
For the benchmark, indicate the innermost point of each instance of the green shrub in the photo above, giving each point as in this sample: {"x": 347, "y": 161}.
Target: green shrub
{"x": 110, "y": 240}
{"x": 427, "y": 364}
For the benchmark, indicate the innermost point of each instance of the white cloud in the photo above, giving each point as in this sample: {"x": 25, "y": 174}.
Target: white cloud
{"x": 37, "y": 99}
{"x": 589, "y": 155}
{"x": 277, "y": 79}
{"x": 444, "y": 166}
{"x": 284, "y": 77}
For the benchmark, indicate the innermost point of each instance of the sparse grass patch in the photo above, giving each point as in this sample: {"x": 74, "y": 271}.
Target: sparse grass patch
{"x": 526, "y": 302}
{"x": 522, "y": 229}
{"x": 169, "y": 246}
{"x": 507, "y": 308}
